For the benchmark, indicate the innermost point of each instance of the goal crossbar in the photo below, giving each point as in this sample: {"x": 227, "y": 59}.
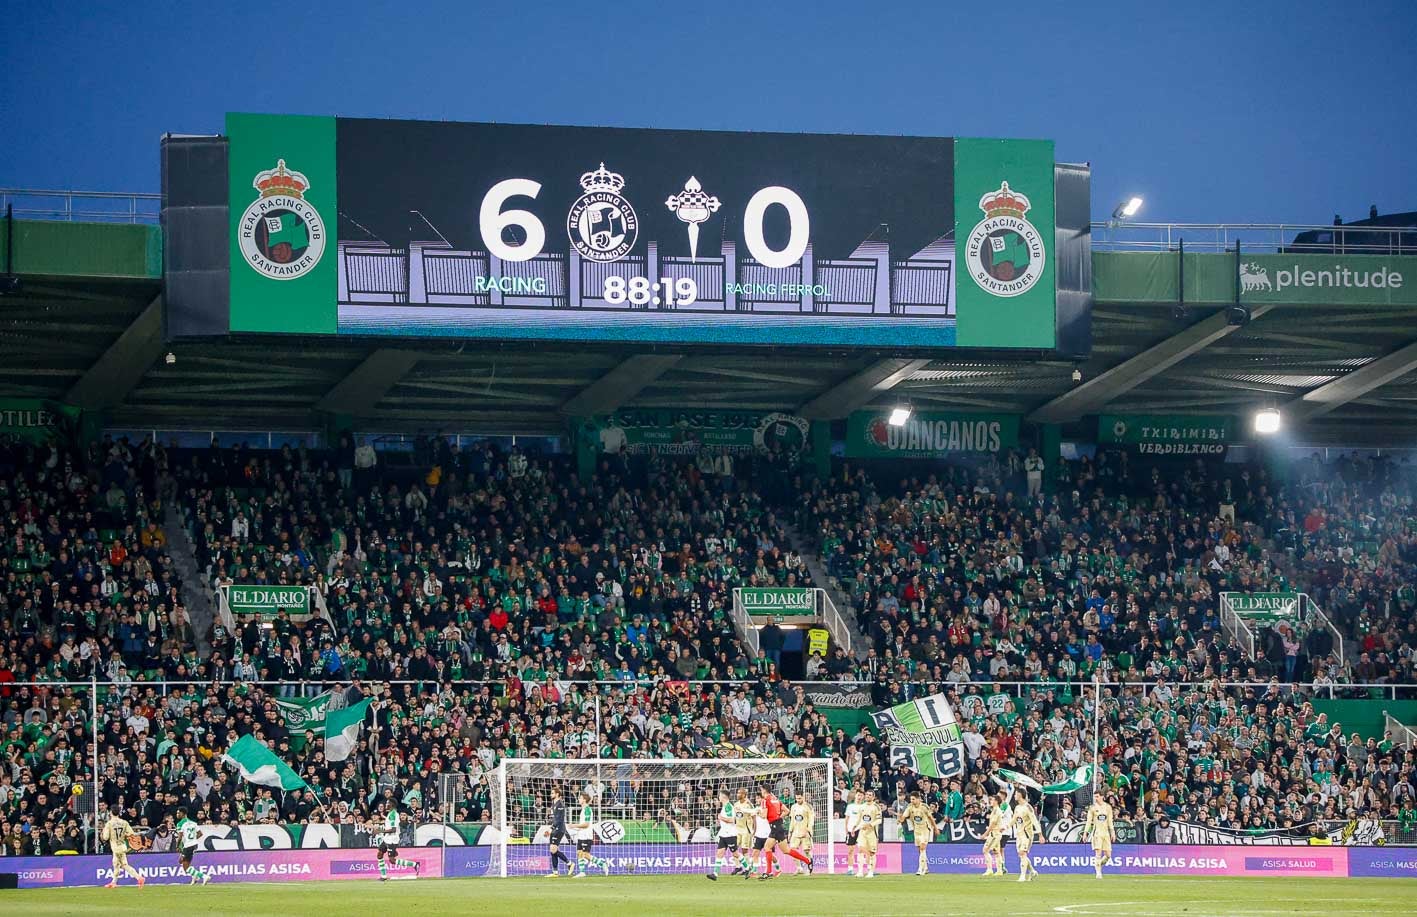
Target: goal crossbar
{"x": 652, "y": 816}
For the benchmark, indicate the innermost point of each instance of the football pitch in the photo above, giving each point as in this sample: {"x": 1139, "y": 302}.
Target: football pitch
{"x": 908, "y": 896}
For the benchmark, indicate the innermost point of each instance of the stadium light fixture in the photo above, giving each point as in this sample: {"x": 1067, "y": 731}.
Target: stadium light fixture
{"x": 1127, "y": 209}
{"x": 899, "y": 415}
{"x": 1268, "y": 421}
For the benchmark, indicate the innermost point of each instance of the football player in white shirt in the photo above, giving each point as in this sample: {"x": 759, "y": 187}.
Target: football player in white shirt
{"x": 853, "y": 830}
{"x": 584, "y": 829}
{"x": 761, "y": 832}
{"x": 388, "y": 852}
{"x": 727, "y": 835}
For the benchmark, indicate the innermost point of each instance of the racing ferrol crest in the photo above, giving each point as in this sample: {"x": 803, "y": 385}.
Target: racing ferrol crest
{"x": 1005, "y": 253}
{"x": 602, "y": 225}
{"x": 282, "y": 235}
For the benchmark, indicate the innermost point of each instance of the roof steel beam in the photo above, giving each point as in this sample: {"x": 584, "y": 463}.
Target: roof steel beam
{"x": 859, "y": 390}
{"x": 369, "y": 382}
{"x": 122, "y": 366}
{"x": 1088, "y": 397}
{"x": 620, "y": 384}
{"x": 1319, "y": 401}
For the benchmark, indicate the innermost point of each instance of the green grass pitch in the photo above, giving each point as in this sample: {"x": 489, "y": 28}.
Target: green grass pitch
{"x": 909, "y": 896}
{"x": 624, "y": 896}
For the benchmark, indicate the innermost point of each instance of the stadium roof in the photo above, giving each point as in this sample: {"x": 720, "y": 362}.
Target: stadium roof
{"x": 85, "y": 328}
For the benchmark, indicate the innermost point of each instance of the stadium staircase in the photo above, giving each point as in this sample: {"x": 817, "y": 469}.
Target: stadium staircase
{"x": 196, "y": 593}
{"x": 823, "y": 580}
{"x": 1287, "y": 563}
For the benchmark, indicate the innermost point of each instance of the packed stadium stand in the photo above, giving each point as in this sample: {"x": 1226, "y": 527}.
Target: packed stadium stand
{"x": 495, "y": 605}
{"x": 536, "y": 588}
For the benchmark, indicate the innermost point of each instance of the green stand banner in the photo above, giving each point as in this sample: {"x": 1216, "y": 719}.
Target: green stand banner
{"x": 929, "y": 434}
{"x": 268, "y": 601}
{"x": 777, "y": 601}
{"x": 689, "y": 432}
{"x": 1264, "y": 606}
{"x": 34, "y": 420}
{"x": 1168, "y": 434}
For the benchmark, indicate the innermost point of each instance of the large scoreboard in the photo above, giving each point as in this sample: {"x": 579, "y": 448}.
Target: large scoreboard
{"x": 337, "y": 226}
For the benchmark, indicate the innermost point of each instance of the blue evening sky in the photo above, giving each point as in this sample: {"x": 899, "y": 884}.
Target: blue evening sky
{"x": 1215, "y": 111}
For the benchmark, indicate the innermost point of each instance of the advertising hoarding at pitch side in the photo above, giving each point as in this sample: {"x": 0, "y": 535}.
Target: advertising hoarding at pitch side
{"x": 576, "y": 234}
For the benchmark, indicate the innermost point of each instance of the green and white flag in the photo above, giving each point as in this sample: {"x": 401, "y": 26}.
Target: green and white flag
{"x": 923, "y": 736}
{"x": 1020, "y": 779}
{"x": 302, "y": 713}
{"x": 258, "y": 764}
{"x": 1075, "y": 781}
{"x": 342, "y": 730}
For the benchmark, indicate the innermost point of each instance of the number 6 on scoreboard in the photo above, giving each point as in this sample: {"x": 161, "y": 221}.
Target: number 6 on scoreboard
{"x": 491, "y": 220}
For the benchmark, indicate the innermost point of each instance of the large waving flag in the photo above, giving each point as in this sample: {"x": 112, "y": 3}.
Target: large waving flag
{"x": 258, "y": 764}
{"x": 302, "y": 713}
{"x": 342, "y": 730}
{"x": 1075, "y": 781}
{"x": 1004, "y": 775}
{"x": 923, "y": 736}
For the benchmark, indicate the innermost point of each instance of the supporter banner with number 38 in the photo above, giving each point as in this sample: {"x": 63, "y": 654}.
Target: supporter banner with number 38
{"x": 923, "y": 736}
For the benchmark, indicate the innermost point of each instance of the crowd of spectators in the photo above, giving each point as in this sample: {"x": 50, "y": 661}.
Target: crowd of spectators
{"x": 1239, "y": 759}
{"x": 489, "y": 565}
{"x": 1352, "y": 526}
{"x": 499, "y": 582}
{"x": 1120, "y": 569}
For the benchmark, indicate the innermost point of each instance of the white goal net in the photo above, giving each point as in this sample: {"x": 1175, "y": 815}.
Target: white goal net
{"x": 646, "y": 816}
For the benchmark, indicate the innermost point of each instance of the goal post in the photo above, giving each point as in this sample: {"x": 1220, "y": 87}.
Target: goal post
{"x": 649, "y": 816}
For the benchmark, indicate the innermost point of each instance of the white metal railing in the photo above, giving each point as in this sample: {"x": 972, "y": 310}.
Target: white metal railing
{"x": 1399, "y": 730}
{"x": 1015, "y": 688}
{"x": 826, "y": 613}
{"x": 1306, "y": 601}
{"x": 1259, "y": 238}
{"x": 81, "y": 206}
{"x": 1107, "y": 235}
{"x": 223, "y": 610}
{"x": 322, "y": 610}
{"x": 832, "y": 618}
{"x": 744, "y": 621}
{"x": 1235, "y": 626}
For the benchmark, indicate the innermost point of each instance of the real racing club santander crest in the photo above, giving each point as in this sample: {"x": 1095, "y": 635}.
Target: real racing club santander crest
{"x": 282, "y": 235}
{"x": 602, "y": 225}
{"x": 1004, "y": 252}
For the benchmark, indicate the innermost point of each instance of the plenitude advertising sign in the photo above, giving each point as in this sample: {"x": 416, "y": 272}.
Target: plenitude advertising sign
{"x": 542, "y": 232}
